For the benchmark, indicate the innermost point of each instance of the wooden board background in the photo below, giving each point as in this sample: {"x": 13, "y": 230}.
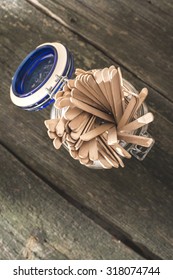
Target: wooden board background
{"x": 132, "y": 206}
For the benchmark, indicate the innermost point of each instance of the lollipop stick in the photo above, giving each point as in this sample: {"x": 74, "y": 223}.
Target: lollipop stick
{"x": 91, "y": 110}
{"x": 96, "y": 131}
{"x": 87, "y": 127}
{"x": 135, "y": 139}
{"x": 71, "y": 113}
{"x": 129, "y": 111}
{"x": 75, "y": 93}
{"x": 145, "y": 119}
{"x": 112, "y": 136}
{"x": 116, "y": 94}
{"x": 93, "y": 150}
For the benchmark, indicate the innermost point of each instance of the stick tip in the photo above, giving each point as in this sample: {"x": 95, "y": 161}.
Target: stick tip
{"x": 46, "y": 123}
{"x": 144, "y": 91}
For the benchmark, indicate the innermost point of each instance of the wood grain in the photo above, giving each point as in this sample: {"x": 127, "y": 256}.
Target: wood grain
{"x": 134, "y": 204}
{"x": 37, "y": 223}
{"x": 123, "y": 30}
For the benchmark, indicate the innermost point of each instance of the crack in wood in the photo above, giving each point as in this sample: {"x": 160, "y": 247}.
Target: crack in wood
{"x": 112, "y": 229}
{"x": 48, "y": 12}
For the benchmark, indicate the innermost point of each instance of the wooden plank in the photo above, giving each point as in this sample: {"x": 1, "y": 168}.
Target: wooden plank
{"x": 115, "y": 198}
{"x": 31, "y": 245}
{"x": 165, "y": 6}
{"x": 37, "y": 223}
{"x": 87, "y": 57}
{"x": 119, "y": 197}
{"x": 135, "y": 34}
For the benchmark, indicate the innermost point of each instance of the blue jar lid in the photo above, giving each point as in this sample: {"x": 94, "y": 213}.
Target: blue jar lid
{"x": 40, "y": 76}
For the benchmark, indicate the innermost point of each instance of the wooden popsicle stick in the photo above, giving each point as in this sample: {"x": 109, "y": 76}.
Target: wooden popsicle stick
{"x": 104, "y": 146}
{"x": 60, "y": 127}
{"x": 60, "y": 93}
{"x": 142, "y": 96}
{"x": 56, "y": 104}
{"x": 78, "y": 77}
{"x": 57, "y": 143}
{"x": 111, "y": 68}
{"x": 118, "y": 148}
{"x": 70, "y": 139}
{"x": 70, "y": 145}
{"x": 67, "y": 93}
{"x": 112, "y": 136}
{"x": 65, "y": 87}
{"x": 77, "y": 121}
{"x": 116, "y": 94}
{"x": 104, "y": 163}
{"x": 76, "y": 134}
{"x": 84, "y": 150}
{"x": 93, "y": 150}
{"x": 89, "y": 164}
{"x": 121, "y": 88}
{"x": 51, "y": 124}
{"x": 99, "y": 81}
{"x": 84, "y": 160}
{"x": 58, "y": 99}
{"x": 64, "y": 137}
{"x": 79, "y": 71}
{"x": 74, "y": 154}
{"x": 81, "y": 97}
{"x": 87, "y": 128}
{"x": 96, "y": 89}
{"x": 65, "y": 102}
{"x": 52, "y": 127}
{"x": 91, "y": 110}
{"x": 96, "y": 131}
{"x": 51, "y": 134}
{"x": 100, "y": 100}
{"x": 128, "y": 92}
{"x": 93, "y": 84}
{"x": 71, "y": 84}
{"x": 67, "y": 129}
{"x": 106, "y": 80}
{"x": 121, "y": 151}
{"x": 111, "y": 151}
{"x": 109, "y": 90}
{"x": 111, "y": 161}
{"x": 82, "y": 124}
{"x": 71, "y": 113}
{"x": 145, "y": 119}
{"x": 135, "y": 139}
{"x": 62, "y": 102}
{"x": 129, "y": 111}
{"x": 79, "y": 85}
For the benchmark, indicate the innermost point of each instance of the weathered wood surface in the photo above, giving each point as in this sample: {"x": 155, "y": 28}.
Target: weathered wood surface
{"x": 134, "y": 204}
{"x": 36, "y": 222}
{"x": 136, "y": 35}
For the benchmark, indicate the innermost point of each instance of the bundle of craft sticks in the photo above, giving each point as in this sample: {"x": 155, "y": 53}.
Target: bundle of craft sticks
{"x": 99, "y": 112}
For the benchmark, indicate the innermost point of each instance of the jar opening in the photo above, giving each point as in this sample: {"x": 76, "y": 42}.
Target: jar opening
{"x": 34, "y": 71}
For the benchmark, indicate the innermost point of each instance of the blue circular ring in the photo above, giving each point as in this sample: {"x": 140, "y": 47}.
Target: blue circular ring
{"x": 27, "y": 67}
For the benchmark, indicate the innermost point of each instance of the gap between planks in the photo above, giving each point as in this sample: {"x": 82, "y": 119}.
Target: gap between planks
{"x": 48, "y": 12}
{"x": 72, "y": 232}
{"x": 112, "y": 229}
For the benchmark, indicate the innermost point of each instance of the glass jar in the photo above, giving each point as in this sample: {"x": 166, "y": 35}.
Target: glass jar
{"x": 43, "y": 73}
{"x": 138, "y": 152}
{"x": 39, "y": 76}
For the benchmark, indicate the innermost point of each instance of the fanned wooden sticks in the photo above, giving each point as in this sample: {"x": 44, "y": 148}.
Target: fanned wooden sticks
{"x": 100, "y": 113}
